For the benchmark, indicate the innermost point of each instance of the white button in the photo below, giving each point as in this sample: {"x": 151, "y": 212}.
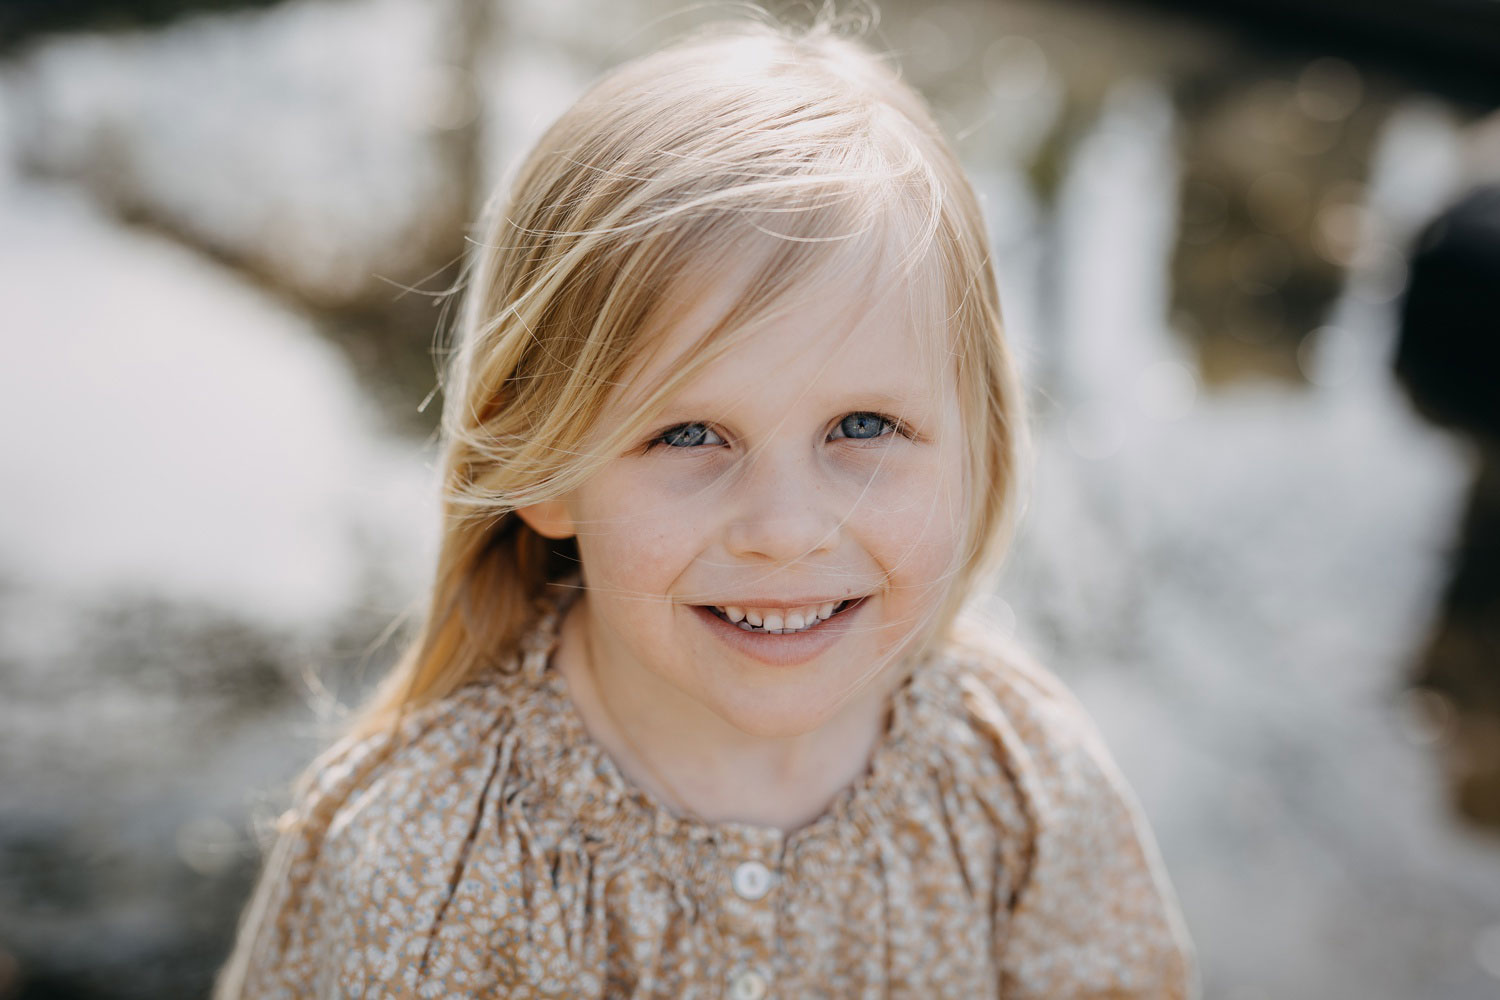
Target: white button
{"x": 747, "y": 985}
{"x": 752, "y": 880}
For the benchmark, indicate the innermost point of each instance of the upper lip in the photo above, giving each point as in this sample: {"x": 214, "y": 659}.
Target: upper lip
{"x": 781, "y": 603}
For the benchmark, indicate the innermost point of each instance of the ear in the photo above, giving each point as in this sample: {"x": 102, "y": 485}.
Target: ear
{"x": 549, "y": 519}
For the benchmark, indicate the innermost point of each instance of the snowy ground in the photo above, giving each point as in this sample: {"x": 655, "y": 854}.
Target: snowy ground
{"x": 203, "y": 507}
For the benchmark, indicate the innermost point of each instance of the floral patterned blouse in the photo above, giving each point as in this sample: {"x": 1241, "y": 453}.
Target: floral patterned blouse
{"x": 492, "y": 849}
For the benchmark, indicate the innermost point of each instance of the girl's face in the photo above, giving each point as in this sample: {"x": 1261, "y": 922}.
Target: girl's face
{"x": 811, "y": 465}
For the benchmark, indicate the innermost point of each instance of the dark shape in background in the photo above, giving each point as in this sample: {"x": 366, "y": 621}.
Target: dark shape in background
{"x": 1451, "y": 47}
{"x": 22, "y": 19}
{"x": 1448, "y": 357}
{"x": 1448, "y": 360}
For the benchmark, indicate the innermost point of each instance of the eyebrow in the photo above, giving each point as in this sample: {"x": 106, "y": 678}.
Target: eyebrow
{"x": 888, "y": 399}
{"x": 852, "y": 401}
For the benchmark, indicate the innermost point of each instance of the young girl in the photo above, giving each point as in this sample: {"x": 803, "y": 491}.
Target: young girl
{"x": 732, "y": 435}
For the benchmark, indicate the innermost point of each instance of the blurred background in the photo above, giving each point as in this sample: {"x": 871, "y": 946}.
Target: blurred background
{"x": 1261, "y": 546}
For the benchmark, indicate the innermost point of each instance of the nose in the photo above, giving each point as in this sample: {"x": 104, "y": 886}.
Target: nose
{"x": 780, "y": 511}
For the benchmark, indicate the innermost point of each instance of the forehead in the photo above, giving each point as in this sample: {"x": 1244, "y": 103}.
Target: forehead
{"x": 852, "y": 330}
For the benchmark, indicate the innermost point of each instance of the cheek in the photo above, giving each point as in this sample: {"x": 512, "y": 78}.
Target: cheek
{"x": 912, "y": 521}
{"x": 640, "y": 546}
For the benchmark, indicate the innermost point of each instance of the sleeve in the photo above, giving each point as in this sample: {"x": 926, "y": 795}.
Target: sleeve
{"x": 356, "y": 883}
{"x": 1093, "y": 914}
{"x": 287, "y": 924}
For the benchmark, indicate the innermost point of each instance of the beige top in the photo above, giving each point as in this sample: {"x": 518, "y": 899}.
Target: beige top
{"x": 493, "y": 849}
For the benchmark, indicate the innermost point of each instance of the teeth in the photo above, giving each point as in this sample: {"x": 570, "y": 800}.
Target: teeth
{"x": 778, "y": 622}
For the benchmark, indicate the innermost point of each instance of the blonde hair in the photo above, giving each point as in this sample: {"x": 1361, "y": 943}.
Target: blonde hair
{"x": 798, "y": 150}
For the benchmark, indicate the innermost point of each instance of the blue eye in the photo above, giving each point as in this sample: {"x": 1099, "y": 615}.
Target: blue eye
{"x": 687, "y": 436}
{"x": 864, "y": 426}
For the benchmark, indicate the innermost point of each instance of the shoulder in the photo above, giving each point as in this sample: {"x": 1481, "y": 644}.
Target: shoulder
{"x": 1058, "y": 773}
{"x": 375, "y": 800}
{"x": 429, "y": 756}
{"x": 1090, "y": 849}
{"x": 361, "y": 864}
{"x": 1007, "y": 692}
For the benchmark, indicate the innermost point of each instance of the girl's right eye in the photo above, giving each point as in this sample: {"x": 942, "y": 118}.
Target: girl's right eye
{"x": 686, "y": 436}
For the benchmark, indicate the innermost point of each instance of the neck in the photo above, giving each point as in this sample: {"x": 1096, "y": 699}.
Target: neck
{"x": 695, "y": 761}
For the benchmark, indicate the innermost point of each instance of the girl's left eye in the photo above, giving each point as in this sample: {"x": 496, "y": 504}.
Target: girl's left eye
{"x": 865, "y": 426}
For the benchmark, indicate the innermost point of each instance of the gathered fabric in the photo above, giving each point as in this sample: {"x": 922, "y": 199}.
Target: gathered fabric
{"x": 489, "y": 847}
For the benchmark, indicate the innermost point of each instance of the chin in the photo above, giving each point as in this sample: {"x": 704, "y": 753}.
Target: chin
{"x": 777, "y": 718}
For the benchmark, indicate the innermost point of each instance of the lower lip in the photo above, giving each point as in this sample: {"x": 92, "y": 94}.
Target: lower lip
{"x": 785, "y": 650}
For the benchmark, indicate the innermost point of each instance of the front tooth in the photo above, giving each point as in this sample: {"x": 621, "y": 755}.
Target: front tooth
{"x": 773, "y": 622}
{"x": 735, "y": 614}
{"x": 826, "y": 610}
{"x": 753, "y": 617}
{"x": 795, "y": 620}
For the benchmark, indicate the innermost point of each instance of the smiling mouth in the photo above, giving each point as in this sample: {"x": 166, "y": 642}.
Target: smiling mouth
{"x": 762, "y": 630}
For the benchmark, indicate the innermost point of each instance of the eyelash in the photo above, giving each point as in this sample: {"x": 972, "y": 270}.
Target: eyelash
{"x": 897, "y": 427}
